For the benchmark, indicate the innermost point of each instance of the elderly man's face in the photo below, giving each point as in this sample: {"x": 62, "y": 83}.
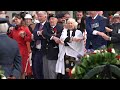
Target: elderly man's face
{"x": 41, "y": 17}
{"x": 92, "y": 13}
{"x": 53, "y": 21}
{"x": 100, "y": 13}
{"x": 116, "y": 20}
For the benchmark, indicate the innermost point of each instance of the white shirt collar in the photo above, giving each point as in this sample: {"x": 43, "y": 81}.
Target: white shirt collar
{"x": 95, "y": 16}
{"x": 53, "y": 26}
{"x": 43, "y": 23}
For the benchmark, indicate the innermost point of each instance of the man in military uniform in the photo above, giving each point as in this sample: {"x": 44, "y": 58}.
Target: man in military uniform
{"x": 95, "y": 24}
{"x": 52, "y": 34}
{"x": 10, "y": 59}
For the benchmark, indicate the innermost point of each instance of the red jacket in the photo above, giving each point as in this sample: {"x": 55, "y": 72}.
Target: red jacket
{"x": 22, "y": 43}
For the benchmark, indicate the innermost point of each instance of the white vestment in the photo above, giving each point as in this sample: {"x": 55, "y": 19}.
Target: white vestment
{"x": 74, "y": 49}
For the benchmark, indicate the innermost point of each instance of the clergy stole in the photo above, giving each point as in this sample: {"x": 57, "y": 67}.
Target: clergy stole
{"x": 38, "y": 42}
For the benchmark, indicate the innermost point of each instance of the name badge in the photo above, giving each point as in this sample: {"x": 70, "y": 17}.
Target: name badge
{"x": 118, "y": 30}
{"x": 95, "y": 25}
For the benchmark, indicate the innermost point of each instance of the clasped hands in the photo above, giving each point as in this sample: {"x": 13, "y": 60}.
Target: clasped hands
{"x": 39, "y": 32}
{"x": 59, "y": 41}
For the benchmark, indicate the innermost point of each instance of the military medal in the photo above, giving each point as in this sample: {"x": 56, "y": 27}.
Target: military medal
{"x": 118, "y": 30}
{"x": 72, "y": 64}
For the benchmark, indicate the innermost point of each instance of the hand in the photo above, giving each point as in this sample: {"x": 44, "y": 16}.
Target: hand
{"x": 22, "y": 34}
{"x": 105, "y": 36}
{"x": 76, "y": 39}
{"x": 32, "y": 37}
{"x": 100, "y": 33}
{"x": 56, "y": 39}
{"x": 61, "y": 42}
{"x": 11, "y": 28}
{"x": 108, "y": 29}
{"x": 39, "y": 32}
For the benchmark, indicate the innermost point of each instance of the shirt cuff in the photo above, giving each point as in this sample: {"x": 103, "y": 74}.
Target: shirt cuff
{"x": 51, "y": 38}
{"x": 95, "y": 32}
{"x": 110, "y": 38}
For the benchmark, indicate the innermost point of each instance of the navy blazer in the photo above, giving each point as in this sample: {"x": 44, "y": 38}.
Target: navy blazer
{"x": 52, "y": 46}
{"x": 36, "y": 37}
{"x": 10, "y": 58}
{"x": 98, "y": 24}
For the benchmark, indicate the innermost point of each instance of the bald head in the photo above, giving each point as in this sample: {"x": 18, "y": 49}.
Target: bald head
{"x": 3, "y": 28}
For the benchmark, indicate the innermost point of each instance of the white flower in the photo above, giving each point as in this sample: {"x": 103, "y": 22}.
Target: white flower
{"x": 113, "y": 50}
{"x": 97, "y": 51}
{"x": 3, "y": 76}
{"x": 87, "y": 56}
{"x": 105, "y": 51}
{"x": 73, "y": 70}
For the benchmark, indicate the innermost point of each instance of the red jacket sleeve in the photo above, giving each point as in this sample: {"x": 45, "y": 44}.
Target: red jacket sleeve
{"x": 27, "y": 38}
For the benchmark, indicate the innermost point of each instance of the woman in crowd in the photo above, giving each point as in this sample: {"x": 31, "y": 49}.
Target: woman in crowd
{"x": 71, "y": 47}
{"x": 22, "y": 35}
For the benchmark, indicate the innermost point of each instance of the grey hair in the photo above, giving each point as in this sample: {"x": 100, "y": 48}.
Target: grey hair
{"x": 73, "y": 21}
{"x": 3, "y": 28}
{"x": 42, "y": 12}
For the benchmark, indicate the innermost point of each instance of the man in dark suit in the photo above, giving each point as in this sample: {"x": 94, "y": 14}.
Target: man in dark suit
{"x": 52, "y": 34}
{"x": 10, "y": 59}
{"x": 40, "y": 69}
{"x": 94, "y": 25}
{"x": 115, "y": 32}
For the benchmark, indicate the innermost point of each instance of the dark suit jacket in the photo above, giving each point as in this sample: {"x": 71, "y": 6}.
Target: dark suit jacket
{"x": 115, "y": 36}
{"x": 43, "y": 40}
{"x": 52, "y": 46}
{"x": 98, "y": 24}
{"x": 10, "y": 58}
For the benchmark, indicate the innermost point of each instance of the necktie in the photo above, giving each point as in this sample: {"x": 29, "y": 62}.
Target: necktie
{"x": 41, "y": 26}
{"x": 38, "y": 42}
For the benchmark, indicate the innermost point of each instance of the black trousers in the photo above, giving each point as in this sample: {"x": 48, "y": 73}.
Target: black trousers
{"x": 37, "y": 64}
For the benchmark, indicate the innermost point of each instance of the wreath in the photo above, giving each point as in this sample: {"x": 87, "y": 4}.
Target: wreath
{"x": 2, "y": 76}
{"x": 93, "y": 63}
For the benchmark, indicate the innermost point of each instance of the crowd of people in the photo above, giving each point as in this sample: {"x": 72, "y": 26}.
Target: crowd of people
{"x": 43, "y": 45}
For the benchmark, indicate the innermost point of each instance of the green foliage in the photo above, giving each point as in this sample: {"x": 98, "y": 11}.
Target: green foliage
{"x": 1, "y": 72}
{"x": 92, "y": 60}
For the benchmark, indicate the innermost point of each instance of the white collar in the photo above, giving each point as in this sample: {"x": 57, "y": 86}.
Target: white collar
{"x": 95, "y": 16}
{"x": 53, "y": 26}
{"x": 43, "y": 23}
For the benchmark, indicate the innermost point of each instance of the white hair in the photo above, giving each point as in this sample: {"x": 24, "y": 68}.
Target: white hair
{"x": 3, "y": 28}
{"x": 72, "y": 20}
{"x": 42, "y": 12}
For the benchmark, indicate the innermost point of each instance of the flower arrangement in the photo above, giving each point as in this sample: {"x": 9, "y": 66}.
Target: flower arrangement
{"x": 93, "y": 59}
{"x": 2, "y": 76}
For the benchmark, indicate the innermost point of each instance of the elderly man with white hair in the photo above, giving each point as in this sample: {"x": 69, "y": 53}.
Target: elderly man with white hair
{"x": 40, "y": 66}
{"x": 10, "y": 59}
{"x": 71, "y": 47}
